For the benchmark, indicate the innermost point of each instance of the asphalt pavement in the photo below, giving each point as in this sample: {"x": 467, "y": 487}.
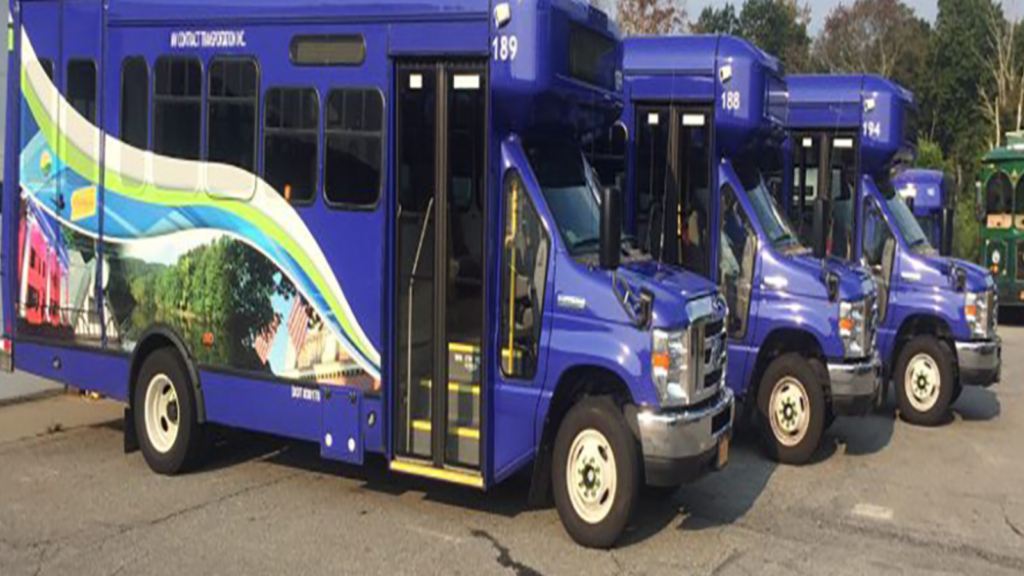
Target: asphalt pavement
{"x": 880, "y": 497}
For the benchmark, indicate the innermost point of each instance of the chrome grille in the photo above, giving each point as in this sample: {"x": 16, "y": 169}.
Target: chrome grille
{"x": 709, "y": 345}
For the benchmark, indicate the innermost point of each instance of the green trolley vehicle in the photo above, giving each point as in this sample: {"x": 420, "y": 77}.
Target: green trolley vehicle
{"x": 1000, "y": 211}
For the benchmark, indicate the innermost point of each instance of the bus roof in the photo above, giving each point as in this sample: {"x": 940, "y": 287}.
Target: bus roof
{"x": 928, "y": 187}
{"x": 162, "y": 11}
{"x": 882, "y": 111}
{"x": 690, "y": 54}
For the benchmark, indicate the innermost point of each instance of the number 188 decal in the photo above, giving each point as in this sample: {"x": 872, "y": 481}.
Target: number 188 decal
{"x": 505, "y": 47}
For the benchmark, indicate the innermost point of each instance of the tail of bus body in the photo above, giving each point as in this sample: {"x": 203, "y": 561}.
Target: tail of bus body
{"x": 6, "y": 356}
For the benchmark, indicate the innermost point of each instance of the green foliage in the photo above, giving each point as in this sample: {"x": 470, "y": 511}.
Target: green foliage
{"x": 778, "y": 27}
{"x": 713, "y": 20}
{"x": 930, "y": 156}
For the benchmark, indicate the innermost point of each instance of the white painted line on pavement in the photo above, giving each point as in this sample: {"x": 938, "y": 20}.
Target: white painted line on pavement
{"x": 873, "y": 512}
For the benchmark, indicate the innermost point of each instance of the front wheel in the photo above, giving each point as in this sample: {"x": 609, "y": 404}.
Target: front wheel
{"x": 596, "y": 472}
{"x": 166, "y": 423}
{"x": 791, "y": 402}
{"x": 924, "y": 381}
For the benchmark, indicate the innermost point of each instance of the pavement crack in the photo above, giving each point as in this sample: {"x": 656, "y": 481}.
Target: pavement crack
{"x": 505, "y": 559}
{"x": 729, "y": 560}
{"x": 1016, "y": 529}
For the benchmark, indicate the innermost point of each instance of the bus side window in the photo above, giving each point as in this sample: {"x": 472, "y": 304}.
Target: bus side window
{"x": 135, "y": 102}
{"x": 291, "y": 142}
{"x": 523, "y": 280}
{"x": 178, "y": 119}
{"x": 231, "y": 112}
{"x": 82, "y": 88}
{"x": 353, "y": 147}
{"x": 134, "y": 120}
{"x": 47, "y": 65}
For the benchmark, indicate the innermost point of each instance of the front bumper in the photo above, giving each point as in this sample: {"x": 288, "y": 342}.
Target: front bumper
{"x": 681, "y": 445}
{"x": 855, "y": 386}
{"x": 980, "y": 361}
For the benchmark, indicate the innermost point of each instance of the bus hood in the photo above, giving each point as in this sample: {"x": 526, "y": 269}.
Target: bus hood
{"x": 804, "y": 275}
{"x": 939, "y": 271}
{"x": 673, "y": 288}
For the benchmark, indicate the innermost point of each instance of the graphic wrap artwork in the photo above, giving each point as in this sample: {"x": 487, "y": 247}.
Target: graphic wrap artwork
{"x": 227, "y": 263}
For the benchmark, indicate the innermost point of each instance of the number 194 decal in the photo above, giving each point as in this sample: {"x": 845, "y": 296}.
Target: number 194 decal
{"x": 505, "y": 47}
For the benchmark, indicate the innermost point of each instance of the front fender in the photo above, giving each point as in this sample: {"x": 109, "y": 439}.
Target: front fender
{"x": 781, "y": 310}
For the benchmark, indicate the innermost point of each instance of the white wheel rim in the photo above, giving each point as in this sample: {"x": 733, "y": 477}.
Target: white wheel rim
{"x": 922, "y": 381}
{"x": 790, "y": 411}
{"x": 163, "y": 414}
{"x": 591, "y": 476}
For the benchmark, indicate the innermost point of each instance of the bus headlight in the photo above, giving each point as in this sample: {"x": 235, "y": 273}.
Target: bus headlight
{"x": 976, "y": 311}
{"x": 670, "y": 367}
{"x": 853, "y": 329}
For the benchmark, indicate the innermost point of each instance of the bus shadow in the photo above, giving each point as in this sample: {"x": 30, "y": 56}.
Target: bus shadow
{"x": 977, "y": 405}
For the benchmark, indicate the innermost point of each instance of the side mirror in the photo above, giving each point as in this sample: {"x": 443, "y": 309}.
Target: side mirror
{"x": 611, "y": 228}
{"x": 820, "y": 231}
{"x": 946, "y": 241}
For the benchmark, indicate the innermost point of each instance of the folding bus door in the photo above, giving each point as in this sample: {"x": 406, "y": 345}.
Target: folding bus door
{"x": 438, "y": 399}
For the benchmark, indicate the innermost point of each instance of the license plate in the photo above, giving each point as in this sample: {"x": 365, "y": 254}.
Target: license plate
{"x": 723, "y": 452}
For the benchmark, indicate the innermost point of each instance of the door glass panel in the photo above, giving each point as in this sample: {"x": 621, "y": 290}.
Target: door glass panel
{"x": 879, "y": 246}
{"x": 464, "y": 294}
{"x": 805, "y": 185}
{"x": 651, "y": 178}
{"x": 416, "y": 220}
{"x": 695, "y": 199}
{"x": 842, "y": 188}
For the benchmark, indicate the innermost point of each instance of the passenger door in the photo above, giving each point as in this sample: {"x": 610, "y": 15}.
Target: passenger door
{"x": 439, "y": 398}
{"x": 673, "y": 208}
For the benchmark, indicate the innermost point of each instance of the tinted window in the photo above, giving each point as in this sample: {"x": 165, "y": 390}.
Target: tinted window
{"x": 352, "y": 157}
{"x": 523, "y": 281}
{"x": 291, "y": 142}
{"x": 334, "y": 50}
{"x": 135, "y": 102}
{"x": 231, "y": 113}
{"x": 47, "y": 66}
{"x": 177, "y": 107}
{"x": 736, "y": 261}
{"x": 82, "y": 88}
{"x": 998, "y": 194}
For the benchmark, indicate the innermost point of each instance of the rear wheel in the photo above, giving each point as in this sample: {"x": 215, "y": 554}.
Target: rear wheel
{"x": 924, "y": 381}
{"x": 791, "y": 401}
{"x": 169, "y": 433}
{"x": 596, "y": 472}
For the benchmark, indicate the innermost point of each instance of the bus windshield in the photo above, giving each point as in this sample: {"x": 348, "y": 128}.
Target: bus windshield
{"x": 904, "y": 219}
{"x": 571, "y": 193}
{"x": 775, "y": 224}
{"x": 908, "y": 226}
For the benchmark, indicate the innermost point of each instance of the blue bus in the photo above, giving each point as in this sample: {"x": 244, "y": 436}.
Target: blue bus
{"x": 705, "y": 116}
{"x": 368, "y": 225}
{"x": 929, "y": 195}
{"x": 937, "y": 329}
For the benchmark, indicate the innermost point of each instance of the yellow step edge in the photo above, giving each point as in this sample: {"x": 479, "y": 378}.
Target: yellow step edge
{"x": 427, "y": 471}
{"x": 455, "y": 387}
{"x": 462, "y": 432}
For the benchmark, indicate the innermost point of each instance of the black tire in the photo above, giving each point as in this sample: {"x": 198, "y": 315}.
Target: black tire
{"x": 787, "y": 369}
{"x": 957, "y": 391}
{"x": 602, "y": 415}
{"x": 187, "y": 447}
{"x": 942, "y": 357}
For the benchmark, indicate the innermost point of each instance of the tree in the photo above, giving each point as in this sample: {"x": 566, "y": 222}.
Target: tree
{"x": 651, "y": 17}
{"x": 778, "y": 27}
{"x": 1002, "y": 99}
{"x": 713, "y": 20}
{"x": 878, "y": 36}
{"x": 958, "y": 58}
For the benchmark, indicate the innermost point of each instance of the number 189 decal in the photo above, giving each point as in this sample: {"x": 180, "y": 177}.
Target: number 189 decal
{"x": 505, "y": 47}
